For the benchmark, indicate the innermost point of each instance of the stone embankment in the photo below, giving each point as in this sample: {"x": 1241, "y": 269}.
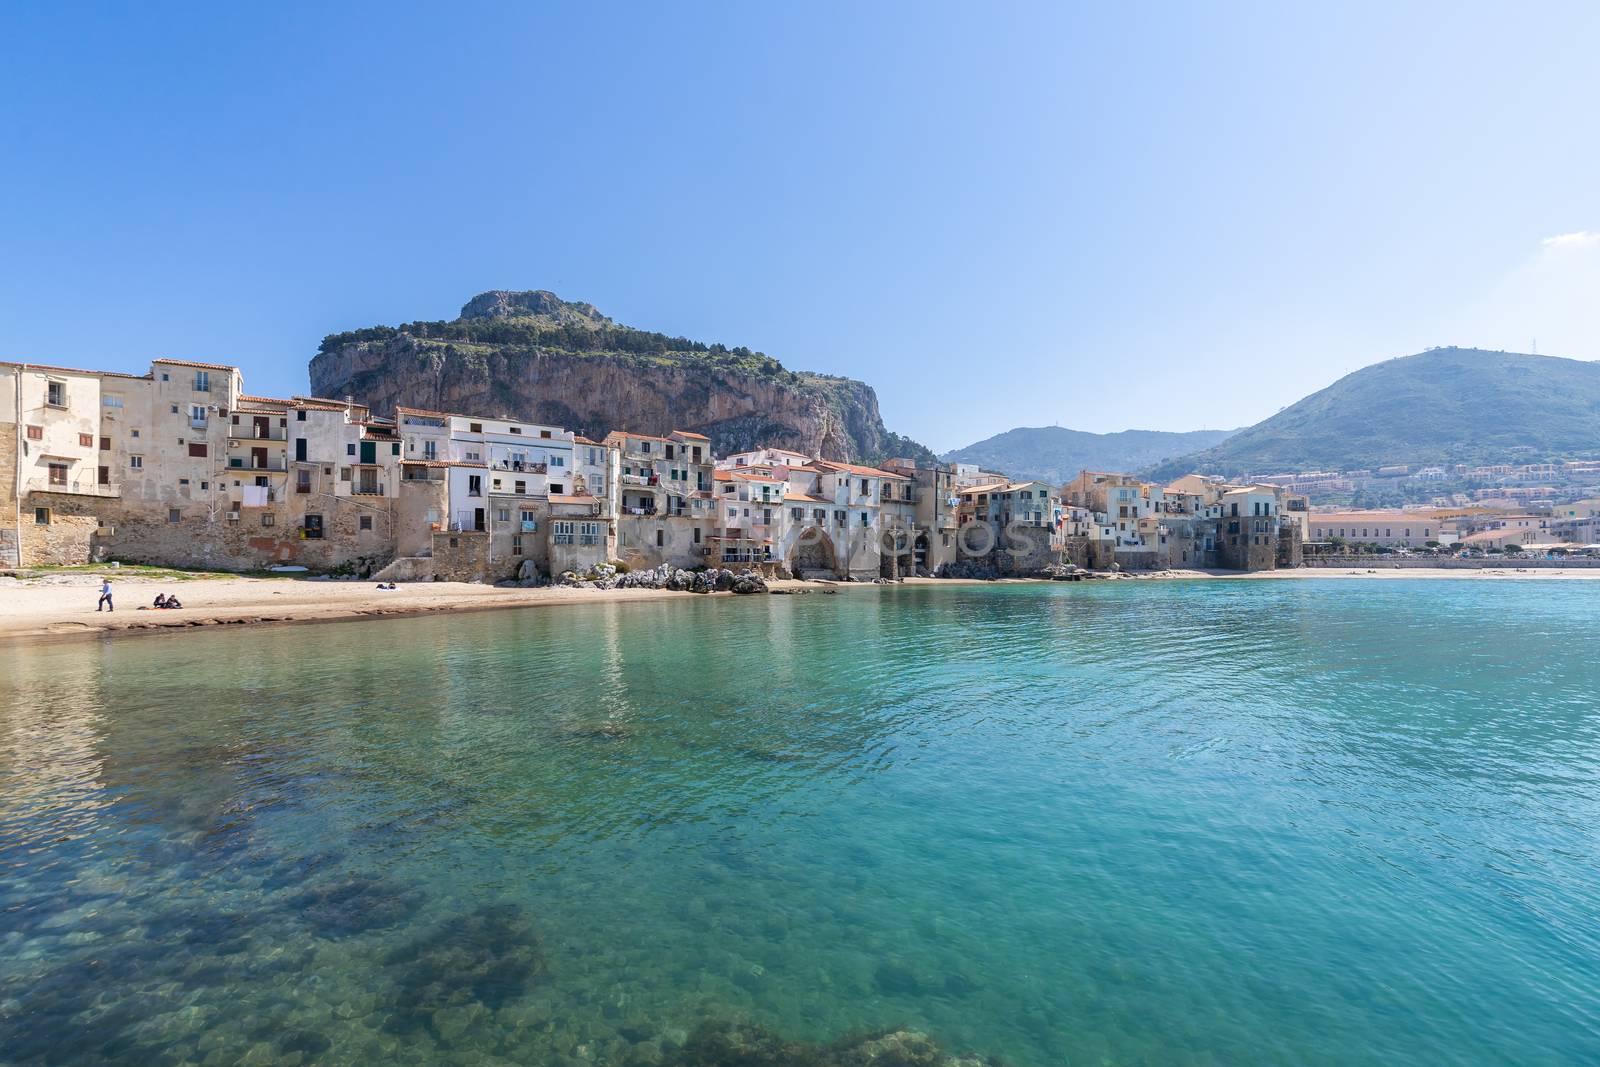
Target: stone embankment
{"x": 712, "y": 580}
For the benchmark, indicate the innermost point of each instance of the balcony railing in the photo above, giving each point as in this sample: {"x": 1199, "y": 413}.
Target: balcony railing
{"x": 641, "y": 479}
{"x": 360, "y": 489}
{"x": 255, "y": 433}
{"x": 238, "y": 464}
{"x": 520, "y": 465}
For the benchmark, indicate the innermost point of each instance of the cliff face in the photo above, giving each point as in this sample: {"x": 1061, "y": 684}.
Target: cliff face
{"x": 532, "y": 356}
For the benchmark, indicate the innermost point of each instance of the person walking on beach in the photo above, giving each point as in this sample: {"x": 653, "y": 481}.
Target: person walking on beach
{"x": 105, "y": 596}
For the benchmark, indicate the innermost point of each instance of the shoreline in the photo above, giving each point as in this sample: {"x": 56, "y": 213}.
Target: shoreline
{"x": 55, "y": 608}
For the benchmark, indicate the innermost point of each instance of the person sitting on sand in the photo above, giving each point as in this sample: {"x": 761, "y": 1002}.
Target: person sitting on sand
{"x": 161, "y": 600}
{"x": 172, "y": 602}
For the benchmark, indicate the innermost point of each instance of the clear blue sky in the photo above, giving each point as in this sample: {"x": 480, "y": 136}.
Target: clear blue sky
{"x": 1106, "y": 216}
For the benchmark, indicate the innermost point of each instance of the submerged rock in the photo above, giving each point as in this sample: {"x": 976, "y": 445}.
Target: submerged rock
{"x": 483, "y": 958}
{"x": 746, "y": 1045}
{"x": 355, "y": 905}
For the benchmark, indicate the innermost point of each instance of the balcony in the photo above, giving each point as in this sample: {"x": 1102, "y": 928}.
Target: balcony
{"x": 198, "y": 424}
{"x": 367, "y": 489}
{"x": 277, "y": 466}
{"x": 645, "y": 480}
{"x": 521, "y": 466}
{"x": 255, "y": 433}
{"x": 78, "y": 487}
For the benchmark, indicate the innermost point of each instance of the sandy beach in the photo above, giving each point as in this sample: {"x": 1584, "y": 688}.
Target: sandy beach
{"x": 63, "y": 605}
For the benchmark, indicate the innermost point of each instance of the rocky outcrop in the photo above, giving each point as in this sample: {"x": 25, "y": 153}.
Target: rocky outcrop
{"x": 712, "y": 580}
{"x": 535, "y": 357}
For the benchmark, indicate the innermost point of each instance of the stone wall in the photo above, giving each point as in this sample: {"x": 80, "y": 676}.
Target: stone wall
{"x": 416, "y": 500}
{"x": 205, "y": 535}
{"x": 461, "y": 557}
{"x": 1248, "y": 543}
{"x": 10, "y": 550}
{"x": 73, "y": 534}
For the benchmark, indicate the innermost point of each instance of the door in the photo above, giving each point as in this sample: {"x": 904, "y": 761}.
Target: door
{"x": 369, "y": 480}
{"x": 369, "y": 451}
{"x": 300, "y": 449}
{"x": 477, "y": 518}
{"x": 258, "y": 458}
{"x": 263, "y": 427}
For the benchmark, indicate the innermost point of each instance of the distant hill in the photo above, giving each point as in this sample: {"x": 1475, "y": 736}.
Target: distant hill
{"x": 1448, "y": 405}
{"x": 532, "y": 355}
{"x": 1055, "y": 454}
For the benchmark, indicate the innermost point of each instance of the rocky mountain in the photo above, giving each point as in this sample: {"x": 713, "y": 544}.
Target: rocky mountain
{"x": 534, "y": 356}
{"x": 1446, "y": 405}
{"x": 1054, "y": 454}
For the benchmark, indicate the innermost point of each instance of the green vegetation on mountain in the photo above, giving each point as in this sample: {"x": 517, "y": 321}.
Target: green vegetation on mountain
{"x": 534, "y": 356}
{"x": 1443, "y": 406}
{"x": 1054, "y": 454}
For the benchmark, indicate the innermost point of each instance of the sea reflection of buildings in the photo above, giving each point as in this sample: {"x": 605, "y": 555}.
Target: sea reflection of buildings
{"x": 52, "y": 744}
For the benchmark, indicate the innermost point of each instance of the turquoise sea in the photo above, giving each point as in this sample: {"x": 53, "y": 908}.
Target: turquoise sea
{"x": 1267, "y": 822}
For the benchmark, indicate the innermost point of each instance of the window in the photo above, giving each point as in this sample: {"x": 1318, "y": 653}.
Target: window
{"x": 557, "y": 461}
{"x": 527, "y": 515}
{"x": 502, "y": 515}
{"x": 41, "y": 516}
{"x": 518, "y": 429}
{"x": 136, "y": 462}
{"x": 58, "y": 474}
{"x": 474, "y": 485}
{"x": 474, "y": 427}
{"x": 516, "y": 544}
{"x": 202, "y": 381}
{"x": 133, "y": 433}
{"x": 542, "y": 433}
{"x": 365, "y": 522}
{"x": 661, "y": 537}
{"x": 55, "y": 394}
{"x": 105, "y": 476}
{"x": 522, "y": 487}
{"x": 174, "y": 515}
{"x": 561, "y": 532}
{"x": 86, "y": 440}
{"x": 312, "y": 530}
{"x": 302, "y": 480}
{"x": 350, "y": 449}
{"x": 197, "y": 451}
{"x": 797, "y": 514}
{"x": 557, "y": 488}
{"x": 299, "y": 416}
{"x": 165, "y": 376}
{"x": 697, "y": 535}
{"x": 268, "y": 519}
{"x": 203, "y": 485}
{"x": 111, "y": 400}
{"x": 174, "y": 409}
{"x": 105, "y": 444}
{"x": 670, "y": 454}
{"x": 183, "y": 481}
{"x": 36, "y": 433}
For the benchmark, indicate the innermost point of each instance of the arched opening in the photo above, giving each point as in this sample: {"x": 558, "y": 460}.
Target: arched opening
{"x": 813, "y": 555}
